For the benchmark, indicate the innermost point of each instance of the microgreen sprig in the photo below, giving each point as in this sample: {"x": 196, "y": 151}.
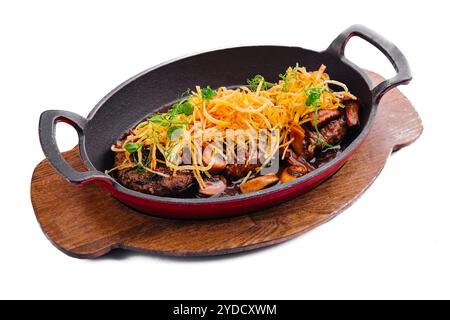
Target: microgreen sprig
{"x": 254, "y": 82}
{"x": 132, "y": 147}
{"x": 208, "y": 93}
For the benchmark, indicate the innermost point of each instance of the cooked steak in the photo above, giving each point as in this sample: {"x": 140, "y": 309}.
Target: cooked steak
{"x": 334, "y": 131}
{"x": 237, "y": 171}
{"x": 325, "y": 115}
{"x": 241, "y": 169}
{"x": 152, "y": 183}
{"x": 351, "y": 112}
{"x": 299, "y": 161}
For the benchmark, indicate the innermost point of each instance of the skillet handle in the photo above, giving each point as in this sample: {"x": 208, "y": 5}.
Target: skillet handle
{"x": 395, "y": 56}
{"x": 47, "y": 126}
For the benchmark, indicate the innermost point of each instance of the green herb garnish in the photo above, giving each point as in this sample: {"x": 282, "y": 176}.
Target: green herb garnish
{"x": 175, "y": 132}
{"x": 132, "y": 147}
{"x": 313, "y": 95}
{"x": 140, "y": 168}
{"x": 182, "y": 107}
{"x": 208, "y": 93}
{"x": 172, "y": 119}
{"x": 284, "y": 77}
{"x": 254, "y": 82}
{"x": 160, "y": 119}
{"x": 166, "y": 119}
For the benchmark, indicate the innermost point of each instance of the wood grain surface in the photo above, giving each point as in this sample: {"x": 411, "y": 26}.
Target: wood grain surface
{"x": 87, "y": 222}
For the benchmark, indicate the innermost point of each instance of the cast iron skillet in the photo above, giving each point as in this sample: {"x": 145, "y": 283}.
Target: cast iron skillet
{"x": 146, "y": 92}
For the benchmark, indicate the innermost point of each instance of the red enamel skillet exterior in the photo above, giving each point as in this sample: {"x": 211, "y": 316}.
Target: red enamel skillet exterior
{"x": 145, "y": 93}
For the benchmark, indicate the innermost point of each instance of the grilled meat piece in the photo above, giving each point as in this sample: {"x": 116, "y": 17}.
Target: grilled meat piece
{"x": 334, "y": 131}
{"x": 299, "y": 161}
{"x": 325, "y": 115}
{"x": 152, "y": 183}
{"x": 325, "y": 157}
{"x": 351, "y": 112}
{"x": 240, "y": 169}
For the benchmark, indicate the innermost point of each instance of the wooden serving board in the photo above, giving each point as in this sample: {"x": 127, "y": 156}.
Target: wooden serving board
{"x": 87, "y": 222}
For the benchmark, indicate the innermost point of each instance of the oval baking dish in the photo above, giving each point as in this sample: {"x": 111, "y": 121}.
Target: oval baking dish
{"x": 148, "y": 91}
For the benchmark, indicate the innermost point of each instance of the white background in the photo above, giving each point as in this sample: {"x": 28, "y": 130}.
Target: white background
{"x": 392, "y": 243}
